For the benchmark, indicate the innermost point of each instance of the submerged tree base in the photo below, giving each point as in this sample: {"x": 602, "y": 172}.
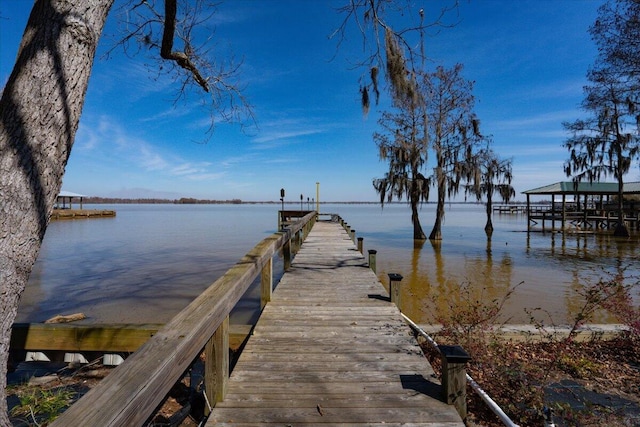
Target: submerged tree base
{"x": 621, "y": 230}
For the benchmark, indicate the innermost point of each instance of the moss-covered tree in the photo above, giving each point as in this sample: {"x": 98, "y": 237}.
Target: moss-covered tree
{"x": 403, "y": 143}
{"x": 453, "y": 133}
{"x": 491, "y": 175}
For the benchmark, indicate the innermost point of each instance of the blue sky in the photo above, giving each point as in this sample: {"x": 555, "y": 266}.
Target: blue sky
{"x": 528, "y": 59}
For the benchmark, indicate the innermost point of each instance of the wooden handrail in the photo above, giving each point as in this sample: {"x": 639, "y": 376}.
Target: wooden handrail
{"x": 130, "y": 394}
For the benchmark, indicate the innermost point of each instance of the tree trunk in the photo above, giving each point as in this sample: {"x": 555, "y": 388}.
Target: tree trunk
{"x": 488, "y": 228}
{"x": 39, "y": 114}
{"x": 621, "y": 228}
{"x": 418, "y": 234}
{"x": 436, "y": 233}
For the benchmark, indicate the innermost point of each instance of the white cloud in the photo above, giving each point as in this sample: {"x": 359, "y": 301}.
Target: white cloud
{"x": 553, "y": 118}
{"x": 105, "y": 140}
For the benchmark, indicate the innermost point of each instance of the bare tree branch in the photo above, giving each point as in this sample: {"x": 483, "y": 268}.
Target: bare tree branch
{"x": 166, "y": 51}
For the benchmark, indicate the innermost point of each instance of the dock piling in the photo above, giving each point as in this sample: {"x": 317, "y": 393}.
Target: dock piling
{"x": 394, "y": 288}
{"x": 372, "y": 259}
{"x": 454, "y": 377}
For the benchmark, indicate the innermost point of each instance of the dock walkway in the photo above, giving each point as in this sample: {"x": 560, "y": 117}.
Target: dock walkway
{"x": 330, "y": 349}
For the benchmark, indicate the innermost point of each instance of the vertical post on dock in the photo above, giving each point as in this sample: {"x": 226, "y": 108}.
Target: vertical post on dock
{"x": 318, "y": 197}
{"x": 216, "y": 367}
{"x": 454, "y": 377}
{"x": 286, "y": 254}
{"x": 372, "y": 259}
{"x": 297, "y": 239}
{"x": 353, "y": 235}
{"x": 361, "y": 244}
{"x": 564, "y": 211}
{"x": 394, "y": 288}
{"x": 529, "y": 214}
{"x": 266, "y": 283}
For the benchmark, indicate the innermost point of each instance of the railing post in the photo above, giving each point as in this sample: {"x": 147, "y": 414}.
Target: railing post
{"x": 394, "y": 288}
{"x": 372, "y": 259}
{"x": 361, "y": 244}
{"x": 216, "y": 365}
{"x": 353, "y": 235}
{"x": 454, "y": 377}
{"x": 286, "y": 254}
{"x": 266, "y": 283}
{"x": 296, "y": 242}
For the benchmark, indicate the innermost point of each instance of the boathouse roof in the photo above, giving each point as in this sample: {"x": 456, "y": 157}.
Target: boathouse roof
{"x": 569, "y": 187}
{"x": 64, "y": 193}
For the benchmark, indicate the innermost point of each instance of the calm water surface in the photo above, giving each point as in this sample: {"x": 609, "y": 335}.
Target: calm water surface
{"x": 150, "y": 261}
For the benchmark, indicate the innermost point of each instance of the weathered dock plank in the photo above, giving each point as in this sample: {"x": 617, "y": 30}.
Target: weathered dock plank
{"x": 330, "y": 348}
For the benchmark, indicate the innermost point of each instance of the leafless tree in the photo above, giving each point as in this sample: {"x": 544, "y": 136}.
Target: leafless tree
{"x": 393, "y": 34}
{"x": 40, "y": 110}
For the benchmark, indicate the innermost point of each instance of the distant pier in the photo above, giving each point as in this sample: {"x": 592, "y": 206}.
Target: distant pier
{"x": 82, "y": 213}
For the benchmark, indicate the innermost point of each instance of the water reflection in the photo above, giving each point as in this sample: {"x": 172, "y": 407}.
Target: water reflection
{"x": 433, "y": 286}
{"x": 550, "y": 270}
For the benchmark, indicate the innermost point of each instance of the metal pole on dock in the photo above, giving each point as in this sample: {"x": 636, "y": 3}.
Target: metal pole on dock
{"x": 318, "y": 197}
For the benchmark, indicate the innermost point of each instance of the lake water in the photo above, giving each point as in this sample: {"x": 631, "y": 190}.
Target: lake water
{"x": 150, "y": 261}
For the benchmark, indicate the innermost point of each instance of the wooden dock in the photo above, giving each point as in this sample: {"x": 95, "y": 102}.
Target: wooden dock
{"x": 81, "y": 213}
{"x": 331, "y": 349}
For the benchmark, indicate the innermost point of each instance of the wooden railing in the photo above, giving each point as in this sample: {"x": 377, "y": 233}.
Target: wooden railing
{"x": 130, "y": 394}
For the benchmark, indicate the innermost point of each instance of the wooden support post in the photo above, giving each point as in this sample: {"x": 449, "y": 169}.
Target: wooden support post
{"x": 266, "y": 282}
{"x": 394, "y": 288}
{"x": 372, "y": 259}
{"x": 353, "y": 235}
{"x": 286, "y": 254}
{"x": 564, "y": 212}
{"x": 454, "y": 377}
{"x": 553, "y": 213}
{"x": 216, "y": 366}
{"x": 528, "y": 213}
{"x": 298, "y": 238}
{"x": 361, "y": 244}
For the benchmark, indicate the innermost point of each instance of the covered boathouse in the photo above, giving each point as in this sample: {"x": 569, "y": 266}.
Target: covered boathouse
{"x": 68, "y": 196}
{"x": 584, "y": 205}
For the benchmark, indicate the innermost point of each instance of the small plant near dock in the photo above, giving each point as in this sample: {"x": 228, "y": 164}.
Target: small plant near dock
{"x": 584, "y": 381}
{"x": 40, "y": 406}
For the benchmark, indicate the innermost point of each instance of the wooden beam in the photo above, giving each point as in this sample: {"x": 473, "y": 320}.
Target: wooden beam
{"x": 125, "y": 338}
{"x": 78, "y": 338}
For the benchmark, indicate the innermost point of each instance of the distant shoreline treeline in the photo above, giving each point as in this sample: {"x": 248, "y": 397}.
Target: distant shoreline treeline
{"x": 193, "y": 201}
